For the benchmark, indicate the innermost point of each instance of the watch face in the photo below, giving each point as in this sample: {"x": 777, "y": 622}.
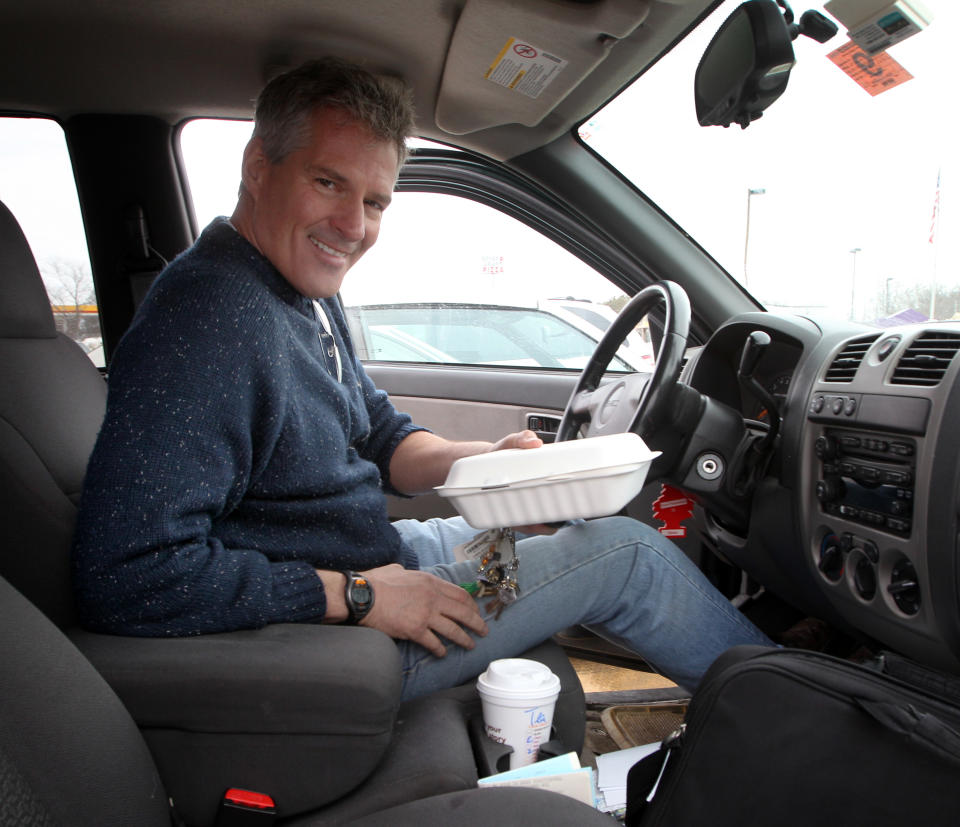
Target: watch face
{"x": 361, "y": 596}
{"x": 361, "y": 593}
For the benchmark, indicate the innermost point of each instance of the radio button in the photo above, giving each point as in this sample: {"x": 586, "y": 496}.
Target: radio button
{"x": 896, "y": 477}
{"x": 850, "y": 407}
{"x": 830, "y": 489}
{"x": 825, "y": 447}
{"x": 896, "y": 524}
{"x": 903, "y": 449}
{"x": 900, "y": 508}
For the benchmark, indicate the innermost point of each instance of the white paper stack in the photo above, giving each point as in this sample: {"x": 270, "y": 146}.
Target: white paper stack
{"x": 612, "y": 769}
{"x": 562, "y": 774}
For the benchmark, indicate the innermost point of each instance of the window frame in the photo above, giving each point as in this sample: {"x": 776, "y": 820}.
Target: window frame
{"x": 466, "y": 175}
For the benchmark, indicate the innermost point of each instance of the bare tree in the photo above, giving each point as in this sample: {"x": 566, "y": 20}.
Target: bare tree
{"x": 69, "y": 287}
{"x": 917, "y": 297}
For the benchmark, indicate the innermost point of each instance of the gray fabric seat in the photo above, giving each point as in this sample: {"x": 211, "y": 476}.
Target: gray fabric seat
{"x": 70, "y": 754}
{"x": 52, "y": 401}
{"x": 248, "y": 709}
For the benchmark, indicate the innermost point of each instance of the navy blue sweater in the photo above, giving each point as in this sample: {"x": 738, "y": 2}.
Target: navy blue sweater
{"x": 231, "y": 463}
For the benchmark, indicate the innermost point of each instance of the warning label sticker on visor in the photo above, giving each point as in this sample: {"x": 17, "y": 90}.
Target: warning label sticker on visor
{"x": 524, "y": 68}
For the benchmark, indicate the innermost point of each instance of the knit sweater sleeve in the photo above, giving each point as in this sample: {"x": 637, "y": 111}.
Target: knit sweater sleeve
{"x": 175, "y": 452}
{"x": 388, "y": 428}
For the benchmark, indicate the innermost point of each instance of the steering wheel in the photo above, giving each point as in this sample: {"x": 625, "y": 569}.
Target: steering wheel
{"x": 634, "y": 401}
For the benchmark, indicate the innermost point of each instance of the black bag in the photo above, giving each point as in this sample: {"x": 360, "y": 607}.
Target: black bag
{"x": 789, "y": 737}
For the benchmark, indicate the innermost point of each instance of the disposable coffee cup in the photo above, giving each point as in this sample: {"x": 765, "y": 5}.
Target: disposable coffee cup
{"x": 518, "y": 698}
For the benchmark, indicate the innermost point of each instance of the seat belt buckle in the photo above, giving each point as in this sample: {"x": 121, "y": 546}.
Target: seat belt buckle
{"x": 245, "y": 808}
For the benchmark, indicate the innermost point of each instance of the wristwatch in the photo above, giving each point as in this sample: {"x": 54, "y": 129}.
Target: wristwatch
{"x": 359, "y": 597}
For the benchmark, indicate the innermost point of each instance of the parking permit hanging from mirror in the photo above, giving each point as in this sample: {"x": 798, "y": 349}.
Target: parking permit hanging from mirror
{"x": 874, "y": 73}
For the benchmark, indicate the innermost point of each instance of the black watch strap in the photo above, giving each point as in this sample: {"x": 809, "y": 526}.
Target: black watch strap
{"x": 359, "y": 596}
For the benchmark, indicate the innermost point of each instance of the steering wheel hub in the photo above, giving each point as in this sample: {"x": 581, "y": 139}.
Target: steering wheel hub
{"x": 611, "y": 404}
{"x": 638, "y": 401}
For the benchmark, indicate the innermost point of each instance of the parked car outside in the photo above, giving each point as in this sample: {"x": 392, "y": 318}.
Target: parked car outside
{"x": 476, "y": 334}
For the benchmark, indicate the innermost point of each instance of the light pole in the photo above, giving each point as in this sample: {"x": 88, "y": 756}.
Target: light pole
{"x": 886, "y": 299}
{"x": 751, "y": 191}
{"x": 853, "y": 283}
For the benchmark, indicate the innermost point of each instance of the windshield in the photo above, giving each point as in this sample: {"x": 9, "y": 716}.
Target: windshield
{"x": 837, "y": 202}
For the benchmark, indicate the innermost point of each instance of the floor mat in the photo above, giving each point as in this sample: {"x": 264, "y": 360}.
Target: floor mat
{"x": 631, "y": 725}
{"x": 603, "y": 677}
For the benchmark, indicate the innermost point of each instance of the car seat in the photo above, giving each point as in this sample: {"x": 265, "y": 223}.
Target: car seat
{"x": 249, "y": 709}
{"x": 70, "y": 754}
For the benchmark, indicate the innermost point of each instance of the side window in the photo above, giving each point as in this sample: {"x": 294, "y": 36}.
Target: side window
{"x": 212, "y": 152}
{"x": 454, "y": 281}
{"x": 449, "y": 281}
{"x": 37, "y": 185}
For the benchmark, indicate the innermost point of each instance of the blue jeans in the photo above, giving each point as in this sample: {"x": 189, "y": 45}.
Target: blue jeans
{"x": 619, "y": 577}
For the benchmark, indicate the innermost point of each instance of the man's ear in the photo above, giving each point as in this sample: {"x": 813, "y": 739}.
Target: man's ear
{"x": 254, "y": 166}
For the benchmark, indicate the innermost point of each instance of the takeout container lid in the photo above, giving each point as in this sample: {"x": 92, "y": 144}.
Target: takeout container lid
{"x": 580, "y": 478}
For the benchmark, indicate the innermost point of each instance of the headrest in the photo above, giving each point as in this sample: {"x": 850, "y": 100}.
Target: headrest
{"x": 24, "y": 307}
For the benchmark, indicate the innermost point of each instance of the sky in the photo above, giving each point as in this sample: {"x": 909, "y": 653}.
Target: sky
{"x": 840, "y": 170}
{"x": 36, "y": 184}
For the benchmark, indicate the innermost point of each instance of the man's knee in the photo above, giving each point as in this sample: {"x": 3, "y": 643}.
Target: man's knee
{"x": 635, "y": 540}
{"x": 627, "y": 530}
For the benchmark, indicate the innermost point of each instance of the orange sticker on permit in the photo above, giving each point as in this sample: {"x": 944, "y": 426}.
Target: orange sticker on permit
{"x": 875, "y": 73}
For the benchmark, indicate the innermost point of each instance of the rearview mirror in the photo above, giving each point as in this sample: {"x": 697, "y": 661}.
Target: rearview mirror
{"x": 746, "y": 66}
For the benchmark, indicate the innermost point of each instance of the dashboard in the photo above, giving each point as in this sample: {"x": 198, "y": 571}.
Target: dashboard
{"x": 856, "y": 517}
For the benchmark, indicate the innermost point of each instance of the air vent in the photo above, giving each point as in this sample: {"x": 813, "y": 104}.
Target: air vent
{"x": 844, "y": 367}
{"x": 926, "y": 360}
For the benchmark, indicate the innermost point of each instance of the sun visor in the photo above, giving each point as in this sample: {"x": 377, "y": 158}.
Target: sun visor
{"x": 514, "y": 62}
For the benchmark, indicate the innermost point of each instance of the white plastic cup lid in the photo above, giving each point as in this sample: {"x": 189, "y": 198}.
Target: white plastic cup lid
{"x": 518, "y": 679}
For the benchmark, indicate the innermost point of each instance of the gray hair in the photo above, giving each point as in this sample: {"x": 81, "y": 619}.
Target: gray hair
{"x": 287, "y": 103}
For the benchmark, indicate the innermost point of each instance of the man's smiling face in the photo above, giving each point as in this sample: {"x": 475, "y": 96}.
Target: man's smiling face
{"x": 314, "y": 213}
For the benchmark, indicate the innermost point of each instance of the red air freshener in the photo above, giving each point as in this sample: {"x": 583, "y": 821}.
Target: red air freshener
{"x": 672, "y": 507}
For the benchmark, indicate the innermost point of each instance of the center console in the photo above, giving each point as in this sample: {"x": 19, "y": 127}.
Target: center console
{"x": 880, "y": 512}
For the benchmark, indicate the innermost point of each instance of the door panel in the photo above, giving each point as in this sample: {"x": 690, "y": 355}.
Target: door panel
{"x": 467, "y": 404}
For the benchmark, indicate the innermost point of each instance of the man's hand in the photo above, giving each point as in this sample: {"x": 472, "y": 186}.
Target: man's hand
{"x": 418, "y": 606}
{"x": 522, "y": 439}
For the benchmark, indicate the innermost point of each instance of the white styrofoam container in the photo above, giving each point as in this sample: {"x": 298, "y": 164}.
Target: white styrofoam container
{"x": 581, "y": 478}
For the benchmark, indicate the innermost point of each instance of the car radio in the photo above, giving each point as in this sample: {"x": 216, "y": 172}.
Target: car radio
{"x": 867, "y": 478}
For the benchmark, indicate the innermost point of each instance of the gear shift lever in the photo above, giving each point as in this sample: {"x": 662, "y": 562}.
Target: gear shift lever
{"x": 753, "y": 350}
